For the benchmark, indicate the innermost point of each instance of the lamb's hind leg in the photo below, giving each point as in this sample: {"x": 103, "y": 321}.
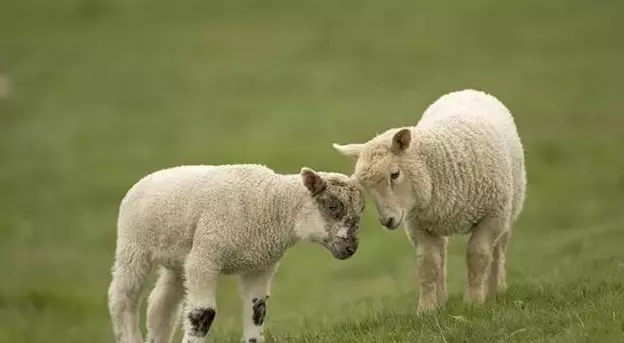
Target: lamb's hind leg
{"x": 164, "y": 306}
{"x": 498, "y": 275}
{"x": 441, "y": 285}
{"x": 255, "y": 291}
{"x": 479, "y": 256}
{"x": 130, "y": 273}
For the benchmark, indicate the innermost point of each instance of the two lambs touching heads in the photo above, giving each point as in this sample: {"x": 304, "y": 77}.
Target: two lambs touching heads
{"x": 199, "y": 222}
{"x": 459, "y": 170}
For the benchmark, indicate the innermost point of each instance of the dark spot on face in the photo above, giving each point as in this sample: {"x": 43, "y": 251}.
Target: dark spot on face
{"x": 331, "y": 207}
{"x": 342, "y": 204}
{"x": 201, "y": 319}
{"x": 259, "y": 310}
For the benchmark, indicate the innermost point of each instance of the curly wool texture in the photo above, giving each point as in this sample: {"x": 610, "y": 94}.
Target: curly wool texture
{"x": 465, "y": 160}
{"x": 474, "y": 158}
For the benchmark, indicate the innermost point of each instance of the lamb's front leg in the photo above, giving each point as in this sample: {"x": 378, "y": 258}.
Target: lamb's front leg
{"x": 431, "y": 255}
{"x": 255, "y": 291}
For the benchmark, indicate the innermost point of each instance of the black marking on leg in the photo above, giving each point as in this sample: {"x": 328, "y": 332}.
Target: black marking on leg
{"x": 259, "y": 310}
{"x": 201, "y": 319}
{"x": 252, "y": 340}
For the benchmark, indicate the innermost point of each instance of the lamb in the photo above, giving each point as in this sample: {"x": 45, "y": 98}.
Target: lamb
{"x": 459, "y": 170}
{"x": 198, "y": 222}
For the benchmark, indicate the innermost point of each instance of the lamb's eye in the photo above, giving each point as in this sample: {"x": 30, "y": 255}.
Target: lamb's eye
{"x": 335, "y": 207}
{"x": 395, "y": 175}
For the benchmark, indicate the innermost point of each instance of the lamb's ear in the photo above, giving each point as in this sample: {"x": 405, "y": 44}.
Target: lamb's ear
{"x": 351, "y": 150}
{"x": 401, "y": 140}
{"x": 312, "y": 181}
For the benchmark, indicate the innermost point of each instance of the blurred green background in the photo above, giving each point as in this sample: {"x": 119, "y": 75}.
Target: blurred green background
{"x": 95, "y": 94}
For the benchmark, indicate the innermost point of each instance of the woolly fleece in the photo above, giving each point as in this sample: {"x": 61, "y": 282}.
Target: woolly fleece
{"x": 460, "y": 170}
{"x": 199, "y": 222}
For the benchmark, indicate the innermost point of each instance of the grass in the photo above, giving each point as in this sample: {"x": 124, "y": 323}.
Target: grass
{"x": 105, "y": 91}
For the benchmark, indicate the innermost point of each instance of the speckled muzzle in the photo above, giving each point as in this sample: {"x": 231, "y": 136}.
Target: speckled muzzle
{"x": 343, "y": 248}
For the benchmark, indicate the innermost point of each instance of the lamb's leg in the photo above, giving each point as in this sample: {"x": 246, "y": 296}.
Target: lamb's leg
{"x": 129, "y": 275}
{"x": 201, "y": 298}
{"x": 164, "y": 306}
{"x": 441, "y": 285}
{"x": 479, "y": 256}
{"x": 430, "y": 250}
{"x": 498, "y": 276}
{"x": 255, "y": 291}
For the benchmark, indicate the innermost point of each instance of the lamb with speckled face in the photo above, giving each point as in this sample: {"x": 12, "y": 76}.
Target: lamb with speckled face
{"x": 460, "y": 170}
{"x": 199, "y": 222}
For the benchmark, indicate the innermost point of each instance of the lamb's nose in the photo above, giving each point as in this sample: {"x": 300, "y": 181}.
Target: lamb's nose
{"x": 388, "y": 222}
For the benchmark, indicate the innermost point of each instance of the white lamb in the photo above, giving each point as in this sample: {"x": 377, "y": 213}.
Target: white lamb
{"x": 200, "y": 222}
{"x": 460, "y": 170}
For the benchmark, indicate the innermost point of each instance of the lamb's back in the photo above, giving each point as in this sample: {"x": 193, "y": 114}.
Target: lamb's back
{"x": 470, "y": 144}
{"x": 474, "y": 113}
{"x": 162, "y": 210}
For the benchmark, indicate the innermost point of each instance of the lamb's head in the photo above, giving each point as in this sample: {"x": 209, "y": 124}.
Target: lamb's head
{"x": 335, "y": 215}
{"x": 382, "y": 169}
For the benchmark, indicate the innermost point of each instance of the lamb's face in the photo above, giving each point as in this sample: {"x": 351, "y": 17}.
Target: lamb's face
{"x": 379, "y": 169}
{"x": 340, "y": 202}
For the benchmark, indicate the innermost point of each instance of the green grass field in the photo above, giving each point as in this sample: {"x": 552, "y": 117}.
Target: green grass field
{"x": 103, "y": 92}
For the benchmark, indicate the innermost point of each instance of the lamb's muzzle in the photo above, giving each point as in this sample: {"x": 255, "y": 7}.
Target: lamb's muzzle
{"x": 344, "y": 248}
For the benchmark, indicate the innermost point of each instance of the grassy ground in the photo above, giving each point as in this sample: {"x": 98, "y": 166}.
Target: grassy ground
{"x": 105, "y": 91}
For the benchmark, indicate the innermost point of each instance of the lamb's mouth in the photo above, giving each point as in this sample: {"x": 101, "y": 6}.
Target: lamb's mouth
{"x": 342, "y": 251}
{"x": 343, "y": 254}
{"x": 398, "y": 223}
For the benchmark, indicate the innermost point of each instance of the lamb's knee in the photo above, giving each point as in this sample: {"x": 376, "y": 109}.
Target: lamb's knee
{"x": 428, "y": 266}
{"x": 200, "y": 320}
{"x": 122, "y": 296}
{"x": 479, "y": 258}
{"x": 500, "y": 246}
{"x": 118, "y": 304}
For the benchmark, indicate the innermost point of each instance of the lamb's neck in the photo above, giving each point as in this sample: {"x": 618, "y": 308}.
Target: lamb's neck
{"x": 298, "y": 208}
{"x": 420, "y": 177}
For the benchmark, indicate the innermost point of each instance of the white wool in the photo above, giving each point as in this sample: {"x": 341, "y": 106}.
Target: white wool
{"x": 459, "y": 170}
{"x": 475, "y": 159}
{"x": 199, "y": 222}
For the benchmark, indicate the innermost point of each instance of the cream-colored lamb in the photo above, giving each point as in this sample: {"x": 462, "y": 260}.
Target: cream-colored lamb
{"x": 460, "y": 170}
{"x": 200, "y": 222}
